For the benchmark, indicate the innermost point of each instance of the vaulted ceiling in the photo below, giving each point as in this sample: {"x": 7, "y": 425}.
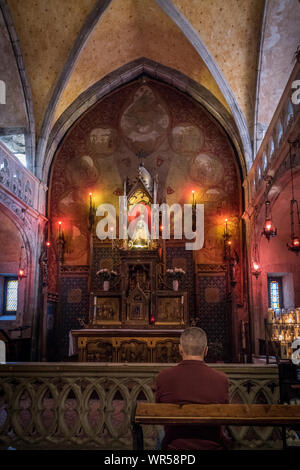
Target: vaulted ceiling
{"x": 135, "y": 28}
{"x": 47, "y": 31}
{"x": 68, "y": 46}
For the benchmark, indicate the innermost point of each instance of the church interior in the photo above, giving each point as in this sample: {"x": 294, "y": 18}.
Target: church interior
{"x": 109, "y": 109}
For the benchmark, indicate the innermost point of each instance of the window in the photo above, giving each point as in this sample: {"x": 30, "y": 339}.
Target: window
{"x": 10, "y": 297}
{"x": 275, "y": 292}
{"x": 279, "y": 132}
{"x": 289, "y": 114}
{"x": 258, "y": 174}
{"x": 271, "y": 148}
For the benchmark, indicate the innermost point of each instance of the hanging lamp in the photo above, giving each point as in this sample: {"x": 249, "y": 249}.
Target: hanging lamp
{"x": 269, "y": 229}
{"x": 294, "y": 243}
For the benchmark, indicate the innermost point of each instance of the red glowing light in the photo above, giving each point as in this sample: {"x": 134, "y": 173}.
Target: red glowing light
{"x": 60, "y": 222}
{"x": 21, "y": 272}
{"x": 268, "y": 225}
{"x": 296, "y": 242}
{"x": 229, "y": 243}
{"x": 152, "y": 319}
{"x": 48, "y": 243}
{"x": 255, "y": 266}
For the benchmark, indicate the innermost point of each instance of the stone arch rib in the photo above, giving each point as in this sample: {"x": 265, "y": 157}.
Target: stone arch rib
{"x": 80, "y": 42}
{"x": 169, "y": 8}
{"x": 30, "y": 135}
{"x": 125, "y": 74}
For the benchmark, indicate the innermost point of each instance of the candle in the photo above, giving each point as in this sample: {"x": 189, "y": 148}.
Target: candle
{"x": 298, "y": 315}
{"x": 270, "y": 315}
{"x": 59, "y": 228}
{"x": 95, "y": 308}
{"x": 155, "y": 190}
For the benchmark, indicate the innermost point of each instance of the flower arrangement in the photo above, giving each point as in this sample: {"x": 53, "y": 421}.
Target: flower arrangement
{"x": 176, "y": 273}
{"x": 106, "y": 274}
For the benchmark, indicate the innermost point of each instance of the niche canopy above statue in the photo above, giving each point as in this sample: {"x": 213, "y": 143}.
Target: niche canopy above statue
{"x": 142, "y": 192}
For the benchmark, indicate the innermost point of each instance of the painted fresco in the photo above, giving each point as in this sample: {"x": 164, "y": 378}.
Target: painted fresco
{"x": 184, "y": 147}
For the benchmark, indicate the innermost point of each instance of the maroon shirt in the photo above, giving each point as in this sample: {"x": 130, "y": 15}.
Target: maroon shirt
{"x": 192, "y": 381}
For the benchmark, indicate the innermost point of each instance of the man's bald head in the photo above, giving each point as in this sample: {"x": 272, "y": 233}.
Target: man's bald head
{"x": 193, "y": 341}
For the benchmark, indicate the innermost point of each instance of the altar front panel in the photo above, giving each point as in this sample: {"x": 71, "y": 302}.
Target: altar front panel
{"x": 132, "y": 346}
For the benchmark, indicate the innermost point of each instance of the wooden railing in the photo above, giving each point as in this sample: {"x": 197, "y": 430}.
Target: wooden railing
{"x": 88, "y": 405}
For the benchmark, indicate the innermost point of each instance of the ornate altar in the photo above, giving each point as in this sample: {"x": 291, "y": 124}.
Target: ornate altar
{"x": 134, "y": 314}
{"x": 127, "y": 345}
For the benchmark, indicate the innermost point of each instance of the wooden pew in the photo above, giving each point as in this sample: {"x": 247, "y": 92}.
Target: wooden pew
{"x": 214, "y": 415}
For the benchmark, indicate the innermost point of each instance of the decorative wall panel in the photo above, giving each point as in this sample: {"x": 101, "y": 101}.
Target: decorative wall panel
{"x": 212, "y": 313}
{"x": 70, "y": 311}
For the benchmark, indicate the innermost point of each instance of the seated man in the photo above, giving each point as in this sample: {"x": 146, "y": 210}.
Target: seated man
{"x": 192, "y": 381}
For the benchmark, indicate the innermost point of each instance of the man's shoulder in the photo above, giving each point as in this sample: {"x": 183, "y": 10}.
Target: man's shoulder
{"x": 167, "y": 372}
{"x": 203, "y": 368}
{"x": 218, "y": 374}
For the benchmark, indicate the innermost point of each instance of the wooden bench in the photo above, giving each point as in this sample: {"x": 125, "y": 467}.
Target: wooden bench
{"x": 214, "y": 415}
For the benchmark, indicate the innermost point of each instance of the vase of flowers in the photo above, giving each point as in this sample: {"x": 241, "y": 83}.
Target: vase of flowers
{"x": 105, "y": 276}
{"x": 176, "y": 274}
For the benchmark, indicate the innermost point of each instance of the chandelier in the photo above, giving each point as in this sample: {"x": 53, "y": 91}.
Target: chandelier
{"x": 294, "y": 243}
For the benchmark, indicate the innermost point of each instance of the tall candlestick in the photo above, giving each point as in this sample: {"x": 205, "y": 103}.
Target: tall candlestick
{"x": 59, "y": 228}
{"x": 91, "y": 201}
{"x": 155, "y": 185}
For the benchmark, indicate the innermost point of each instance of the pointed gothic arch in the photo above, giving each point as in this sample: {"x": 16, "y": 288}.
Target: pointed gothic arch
{"x": 125, "y": 74}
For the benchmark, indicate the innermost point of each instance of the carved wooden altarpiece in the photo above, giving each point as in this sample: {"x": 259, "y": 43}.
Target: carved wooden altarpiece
{"x": 135, "y": 321}
{"x": 138, "y": 310}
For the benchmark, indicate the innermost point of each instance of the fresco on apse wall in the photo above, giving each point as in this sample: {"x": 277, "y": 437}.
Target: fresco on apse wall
{"x": 185, "y": 148}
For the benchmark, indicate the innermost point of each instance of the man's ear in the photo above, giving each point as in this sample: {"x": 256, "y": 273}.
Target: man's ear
{"x": 180, "y": 350}
{"x": 205, "y": 351}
